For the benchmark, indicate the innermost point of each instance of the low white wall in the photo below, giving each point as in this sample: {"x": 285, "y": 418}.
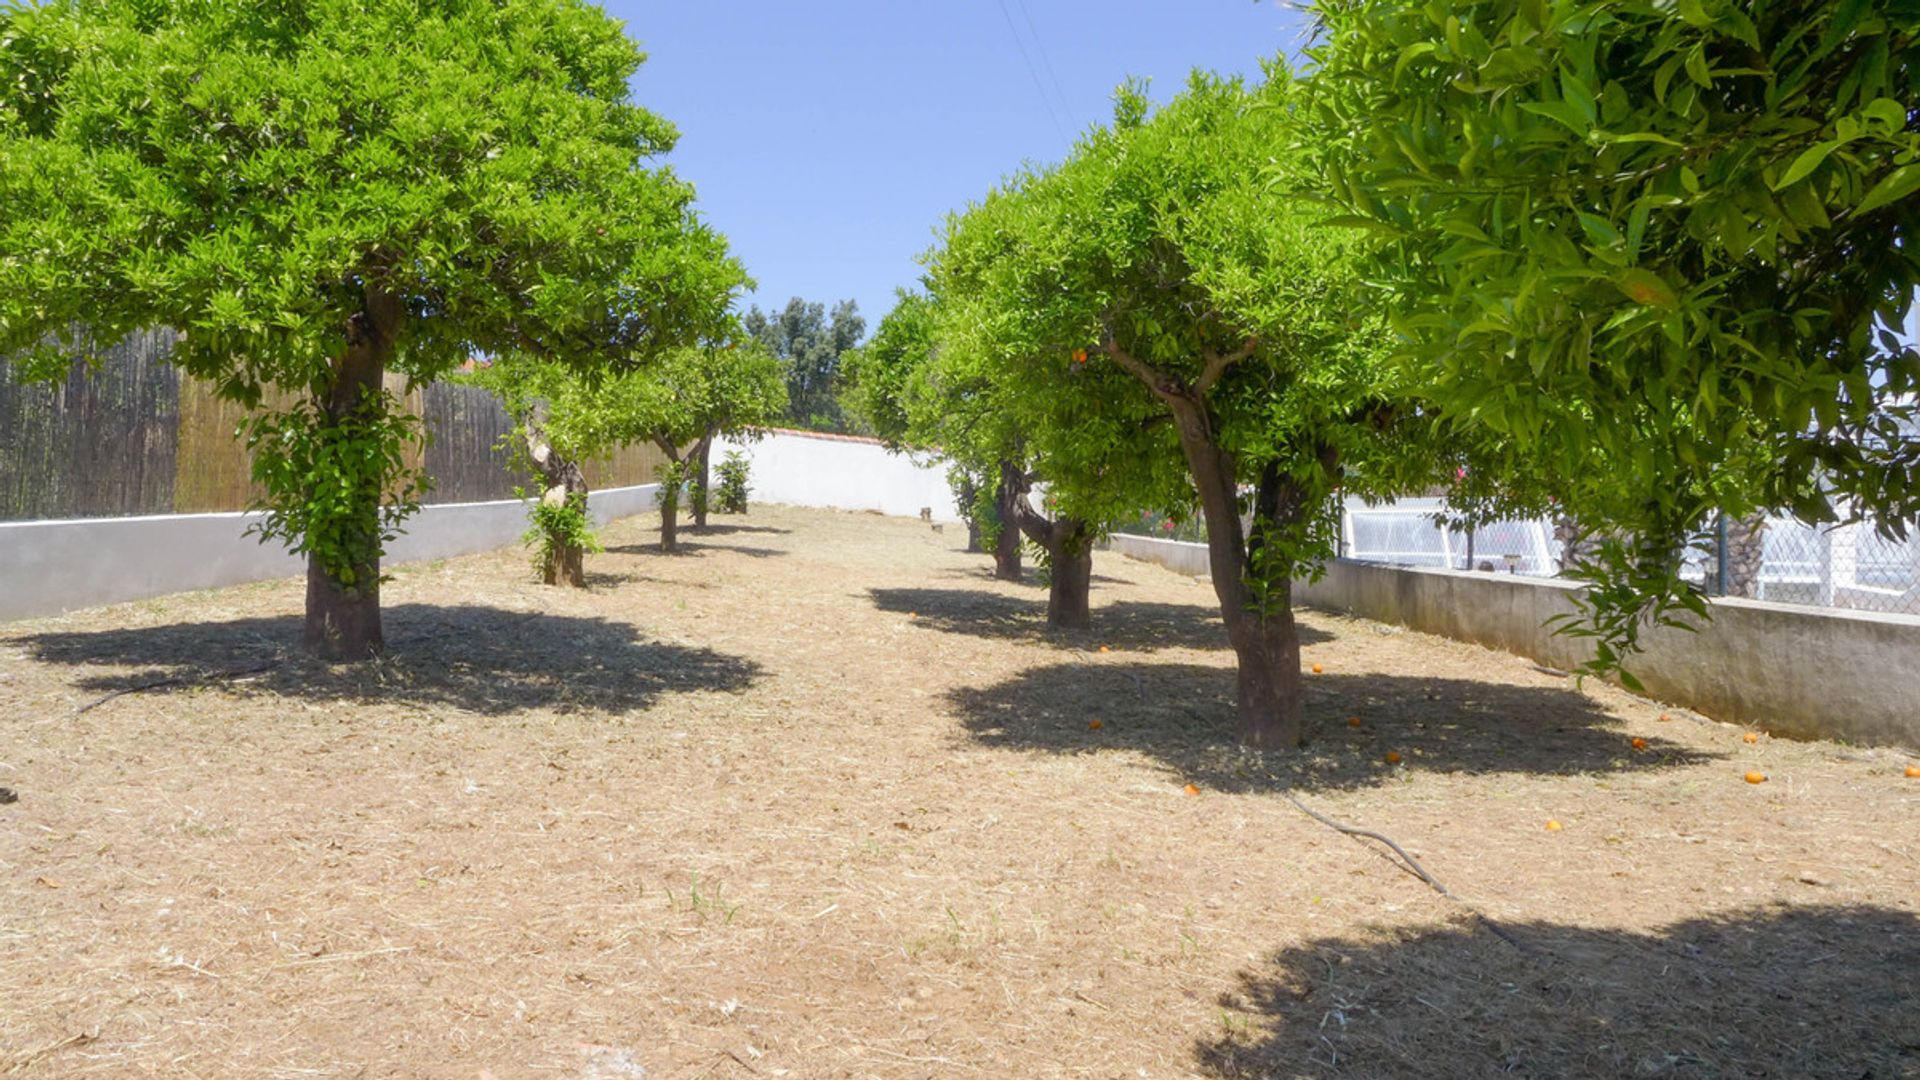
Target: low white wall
{"x": 47, "y": 567}
{"x": 1799, "y": 671}
{"x": 840, "y": 472}
{"x": 1173, "y": 554}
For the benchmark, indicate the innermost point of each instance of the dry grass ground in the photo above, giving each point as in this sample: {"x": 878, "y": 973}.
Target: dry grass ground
{"x": 818, "y": 798}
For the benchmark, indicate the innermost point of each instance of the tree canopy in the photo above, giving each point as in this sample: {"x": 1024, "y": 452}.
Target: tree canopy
{"x": 1661, "y": 251}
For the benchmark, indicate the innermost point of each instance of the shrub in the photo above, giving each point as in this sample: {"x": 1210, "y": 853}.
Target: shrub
{"x": 730, "y": 494}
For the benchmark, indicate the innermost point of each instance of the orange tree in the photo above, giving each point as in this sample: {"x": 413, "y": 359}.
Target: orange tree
{"x": 321, "y": 193}
{"x": 1218, "y": 329}
{"x": 1660, "y": 250}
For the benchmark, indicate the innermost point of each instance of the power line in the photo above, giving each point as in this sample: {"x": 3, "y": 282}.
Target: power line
{"x": 1039, "y": 46}
{"x": 1033, "y": 72}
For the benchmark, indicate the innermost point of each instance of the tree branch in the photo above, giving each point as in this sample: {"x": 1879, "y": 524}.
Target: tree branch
{"x": 1157, "y": 381}
{"x": 1218, "y": 363}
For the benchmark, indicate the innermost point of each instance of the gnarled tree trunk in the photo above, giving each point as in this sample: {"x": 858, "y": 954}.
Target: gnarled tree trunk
{"x": 1270, "y": 693}
{"x": 1261, "y": 628}
{"x": 565, "y": 485}
{"x": 1006, "y": 547}
{"x": 343, "y": 617}
{"x": 1069, "y": 546}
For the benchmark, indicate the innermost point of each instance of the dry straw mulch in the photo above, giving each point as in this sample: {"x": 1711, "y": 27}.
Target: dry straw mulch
{"x": 819, "y": 798}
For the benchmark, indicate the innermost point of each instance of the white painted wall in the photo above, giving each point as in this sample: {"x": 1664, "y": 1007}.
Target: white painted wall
{"x": 843, "y": 473}
{"x": 47, "y": 567}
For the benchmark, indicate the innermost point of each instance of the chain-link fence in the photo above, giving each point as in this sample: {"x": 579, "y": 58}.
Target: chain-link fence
{"x": 1779, "y": 559}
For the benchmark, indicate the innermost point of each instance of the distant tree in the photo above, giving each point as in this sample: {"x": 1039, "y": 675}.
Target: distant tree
{"x": 1663, "y": 250}
{"x": 317, "y": 194}
{"x": 678, "y": 404}
{"x": 876, "y": 378}
{"x": 736, "y": 388}
{"x": 810, "y": 342}
{"x": 1058, "y": 473}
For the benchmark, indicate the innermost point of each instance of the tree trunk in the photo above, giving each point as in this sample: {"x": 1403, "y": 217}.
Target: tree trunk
{"x": 673, "y": 479}
{"x": 966, "y": 492}
{"x": 1270, "y": 691}
{"x": 702, "y": 493}
{"x": 669, "y": 522}
{"x": 343, "y": 617}
{"x": 566, "y": 485}
{"x": 1006, "y": 548}
{"x": 1071, "y": 588}
{"x": 1069, "y": 548}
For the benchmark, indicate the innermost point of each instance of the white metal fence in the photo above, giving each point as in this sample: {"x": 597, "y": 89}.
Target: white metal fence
{"x": 1848, "y": 566}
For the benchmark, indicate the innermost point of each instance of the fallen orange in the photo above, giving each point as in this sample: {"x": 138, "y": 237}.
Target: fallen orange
{"x": 1103, "y": 648}
{"x": 1664, "y": 718}
{"x": 1317, "y": 669}
{"x": 1552, "y": 826}
{"x": 1093, "y": 725}
{"x": 1353, "y": 721}
{"x": 1756, "y": 778}
{"x": 1913, "y": 772}
{"x": 1750, "y": 737}
{"x": 1393, "y": 757}
{"x": 1191, "y": 790}
{"x": 1639, "y": 744}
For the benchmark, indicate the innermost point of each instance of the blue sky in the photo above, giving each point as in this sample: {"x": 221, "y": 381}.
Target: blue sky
{"x": 828, "y": 139}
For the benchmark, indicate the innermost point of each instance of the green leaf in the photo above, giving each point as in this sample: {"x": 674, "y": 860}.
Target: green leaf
{"x": 1565, "y": 112}
{"x": 1643, "y": 286}
{"x": 1896, "y": 185}
{"x": 1809, "y": 160}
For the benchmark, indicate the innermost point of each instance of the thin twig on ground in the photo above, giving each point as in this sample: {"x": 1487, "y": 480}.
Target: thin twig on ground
{"x": 1411, "y": 864}
{"x": 177, "y": 680}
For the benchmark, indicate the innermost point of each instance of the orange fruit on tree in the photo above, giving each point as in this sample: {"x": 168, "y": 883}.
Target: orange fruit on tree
{"x": 1756, "y": 778}
{"x": 1639, "y": 743}
{"x": 1191, "y": 790}
{"x": 1393, "y": 757}
{"x": 1750, "y": 737}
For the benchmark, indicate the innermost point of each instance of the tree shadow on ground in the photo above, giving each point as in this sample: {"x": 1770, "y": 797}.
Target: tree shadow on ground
{"x": 694, "y": 547}
{"x": 1183, "y": 716}
{"x": 1125, "y": 625}
{"x": 1778, "y": 991}
{"x": 480, "y": 659}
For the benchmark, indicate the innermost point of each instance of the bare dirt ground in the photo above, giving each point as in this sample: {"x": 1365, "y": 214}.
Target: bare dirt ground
{"x": 819, "y": 798}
